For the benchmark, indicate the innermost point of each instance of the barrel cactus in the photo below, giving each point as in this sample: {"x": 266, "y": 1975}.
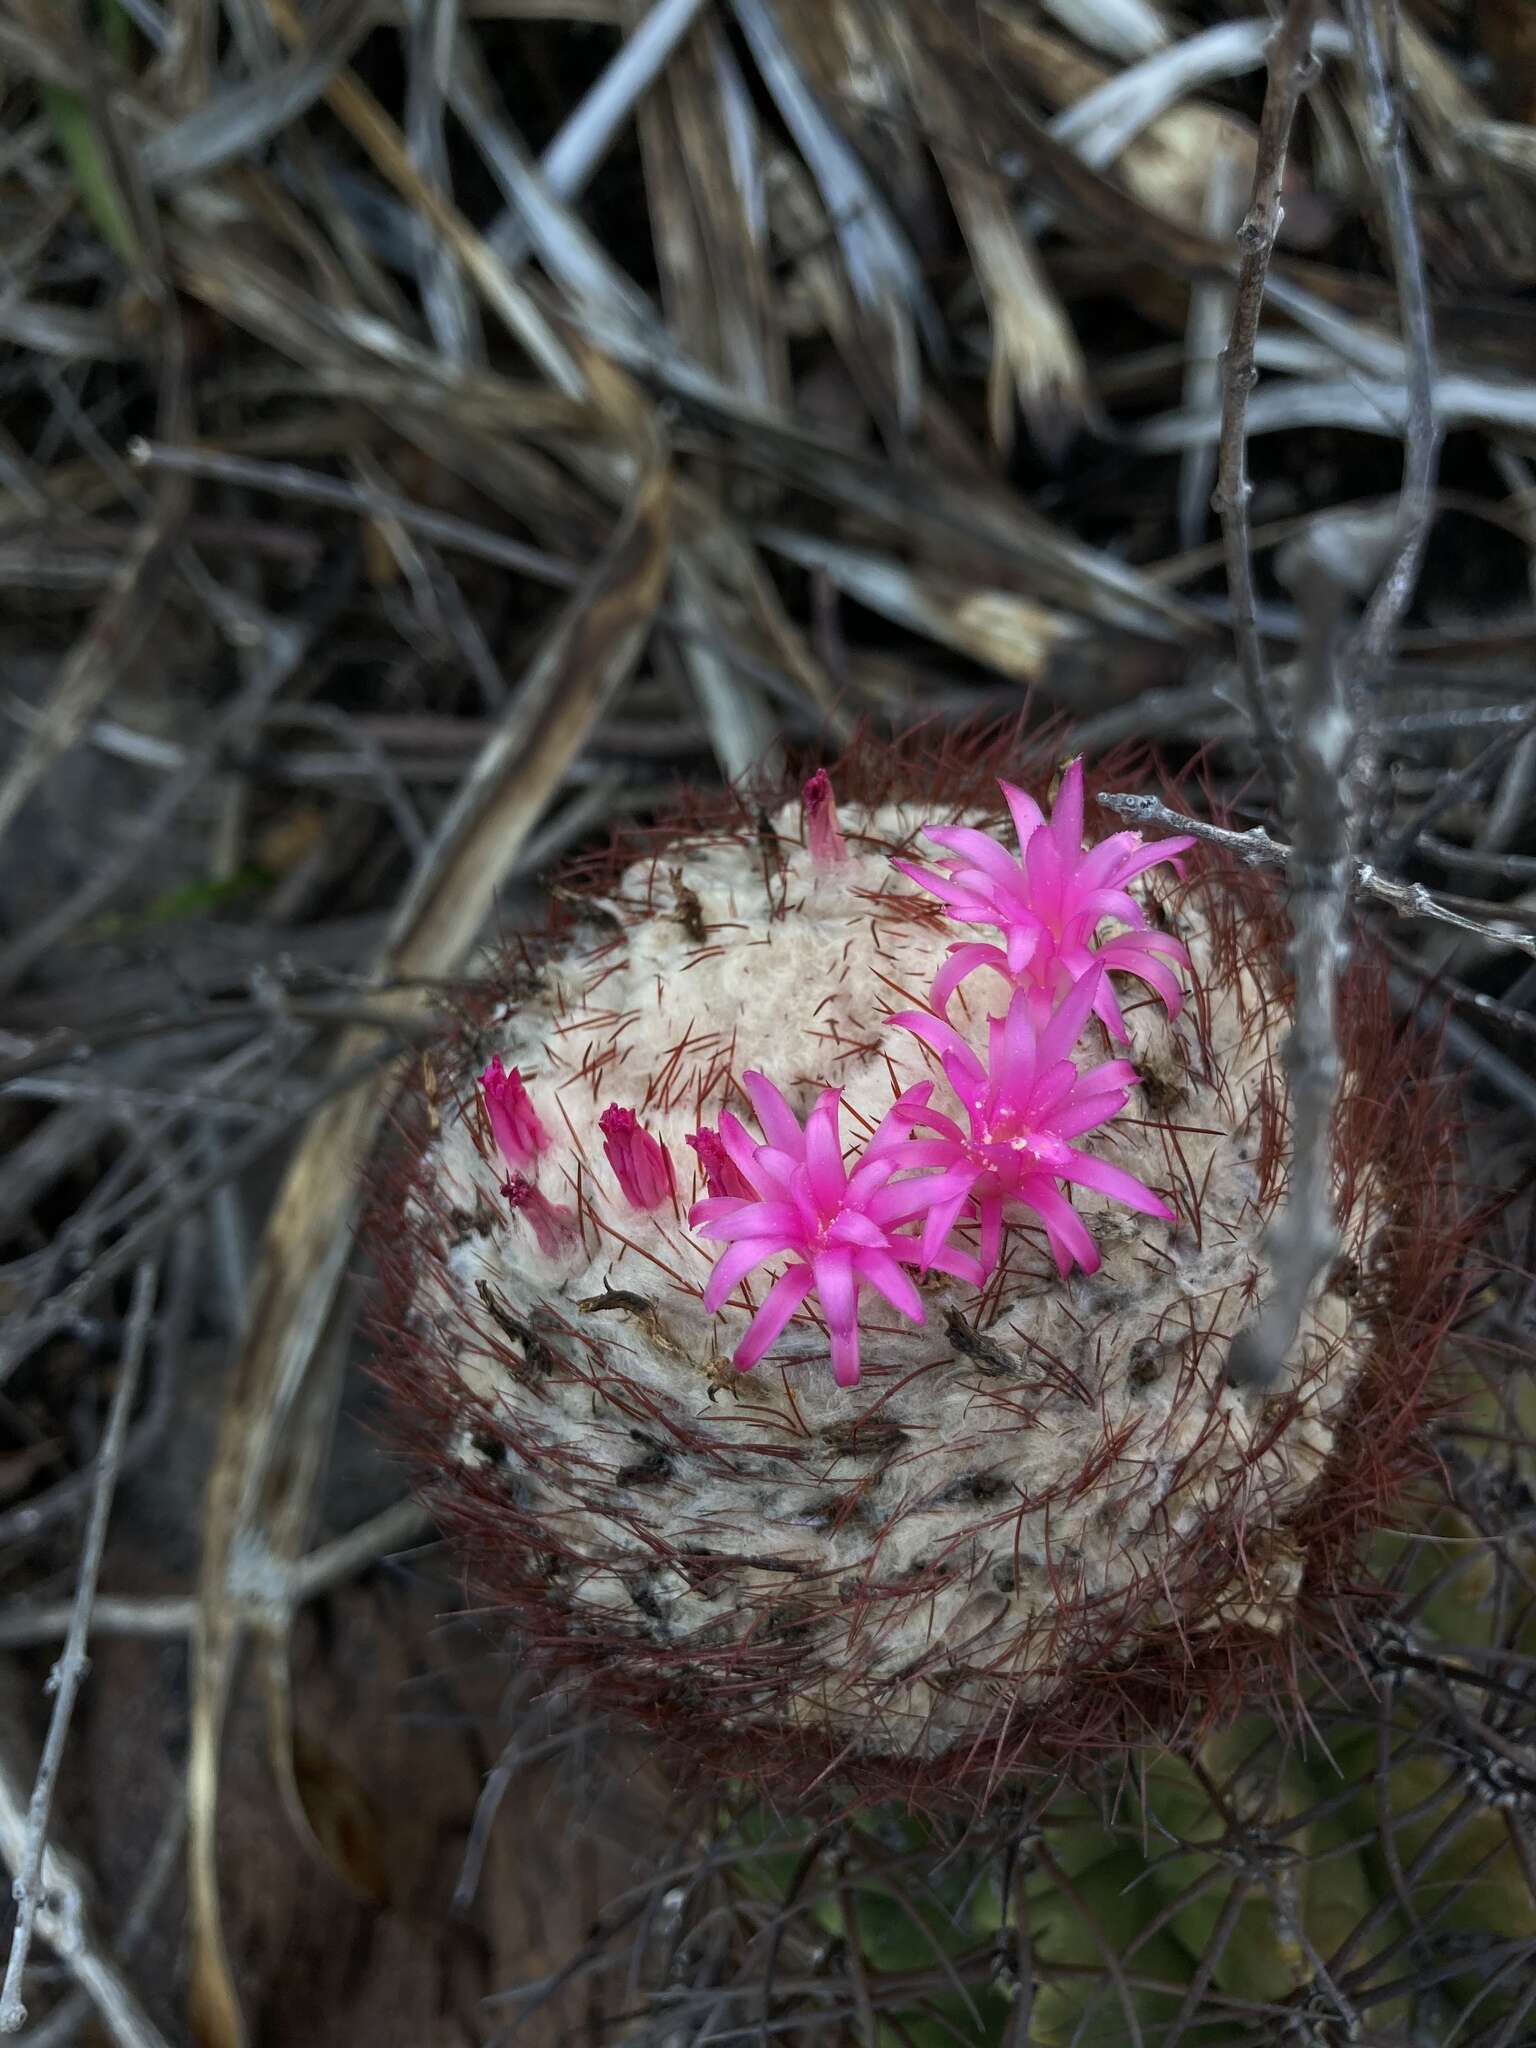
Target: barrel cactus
{"x": 814, "y": 1270}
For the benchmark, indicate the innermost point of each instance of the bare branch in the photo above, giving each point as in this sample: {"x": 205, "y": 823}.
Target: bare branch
{"x": 1303, "y": 1239}
{"x": 29, "y": 1856}
{"x": 328, "y": 1565}
{"x": 1408, "y": 899}
{"x": 1421, "y": 437}
{"x": 1291, "y": 65}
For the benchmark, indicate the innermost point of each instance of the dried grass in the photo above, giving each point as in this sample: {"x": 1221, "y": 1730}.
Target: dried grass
{"x": 438, "y": 433}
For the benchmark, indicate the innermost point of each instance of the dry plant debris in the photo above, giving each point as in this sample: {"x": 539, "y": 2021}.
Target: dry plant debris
{"x": 436, "y": 432}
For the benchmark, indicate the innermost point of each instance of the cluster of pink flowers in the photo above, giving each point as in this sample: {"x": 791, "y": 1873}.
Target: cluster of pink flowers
{"x": 847, "y": 1230}
{"x": 1023, "y": 1104}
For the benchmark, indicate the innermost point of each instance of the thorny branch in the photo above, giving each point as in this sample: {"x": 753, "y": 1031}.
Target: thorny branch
{"x": 1291, "y": 68}
{"x": 1421, "y": 435}
{"x": 1408, "y": 899}
{"x": 1304, "y": 1237}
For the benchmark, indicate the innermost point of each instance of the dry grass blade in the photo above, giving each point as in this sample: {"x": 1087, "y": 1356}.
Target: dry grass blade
{"x": 279, "y": 1378}
{"x": 1013, "y": 635}
{"x": 743, "y": 732}
{"x": 656, "y": 29}
{"x": 1510, "y": 143}
{"x": 1120, "y": 28}
{"x": 240, "y": 121}
{"x": 114, "y": 639}
{"x": 969, "y": 527}
{"x": 361, "y": 112}
{"x": 1035, "y": 353}
{"x": 885, "y": 276}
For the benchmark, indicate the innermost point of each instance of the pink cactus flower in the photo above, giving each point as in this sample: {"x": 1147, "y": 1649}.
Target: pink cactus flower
{"x": 721, "y": 1176}
{"x": 554, "y": 1228}
{"x": 837, "y": 1227}
{"x": 519, "y": 1135}
{"x": 1049, "y": 904}
{"x": 823, "y": 834}
{"x": 640, "y": 1163}
{"x": 1023, "y": 1109}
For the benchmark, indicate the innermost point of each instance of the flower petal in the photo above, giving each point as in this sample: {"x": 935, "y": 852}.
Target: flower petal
{"x": 741, "y": 1148}
{"x": 1067, "y": 815}
{"x": 887, "y": 1278}
{"x": 836, "y": 1288}
{"x": 950, "y": 1259}
{"x": 780, "y": 1125}
{"x": 993, "y": 861}
{"x": 1048, "y": 877}
{"x": 856, "y": 1230}
{"x": 942, "y": 1038}
{"x": 1114, "y": 1181}
{"x": 783, "y": 1298}
{"x": 1026, "y": 813}
{"x": 1086, "y": 1113}
{"x": 1152, "y": 856}
{"x": 1064, "y": 1228}
{"x": 1013, "y": 1066}
{"x": 824, "y": 1153}
{"x": 779, "y": 1220}
{"x": 934, "y": 883}
{"x": 733, "y": 1267}
{"x": 845, "y": 1356}
{"x": 941, "y": 1220}
{"x": 1069, "y": 1017}
{"x": 963, "y": 962}
{"x": 716, "y": 1209}
{"x": 989, "y": 1209}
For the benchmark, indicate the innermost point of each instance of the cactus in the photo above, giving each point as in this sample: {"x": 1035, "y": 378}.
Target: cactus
{"x": 1262, "y": 1887}
{"x": 1024, "y": 1508}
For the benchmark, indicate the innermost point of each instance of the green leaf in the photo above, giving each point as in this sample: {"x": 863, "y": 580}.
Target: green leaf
{"x": 83, "y": 151}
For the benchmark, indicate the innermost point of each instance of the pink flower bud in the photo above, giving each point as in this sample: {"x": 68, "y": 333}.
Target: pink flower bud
{"x": 554, "y": 1227}
{"x": 823, "y": 834}
{"x": 640, "y": 1162}
{"x": 722, "y": 1176}
{"x": 519, "y": 1135}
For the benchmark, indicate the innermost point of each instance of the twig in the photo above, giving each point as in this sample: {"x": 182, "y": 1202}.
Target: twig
{"x": 1511, "y": 1080}
{"x": 68, "y": 1675}
{"x": 146, "y": 1232}
{"x": 1454, "y": 787}
{"x": 64, "y": 1922}
{"x": 67, "y": 2020}
{"x": 1421, "y": 436}
{"x": 329, "y": 1564}
{"x": 289, "y": 480}
{"x": 1303, "y": 1239}
{"x": 1290, "y": 70}
{"x": 1210, "y": 311}
{"x": 286, "y": 645}
{"x": 1408, "y": 899}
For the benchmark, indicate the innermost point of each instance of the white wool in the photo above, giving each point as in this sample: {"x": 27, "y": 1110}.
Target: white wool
{"x": 728, "y": 954}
